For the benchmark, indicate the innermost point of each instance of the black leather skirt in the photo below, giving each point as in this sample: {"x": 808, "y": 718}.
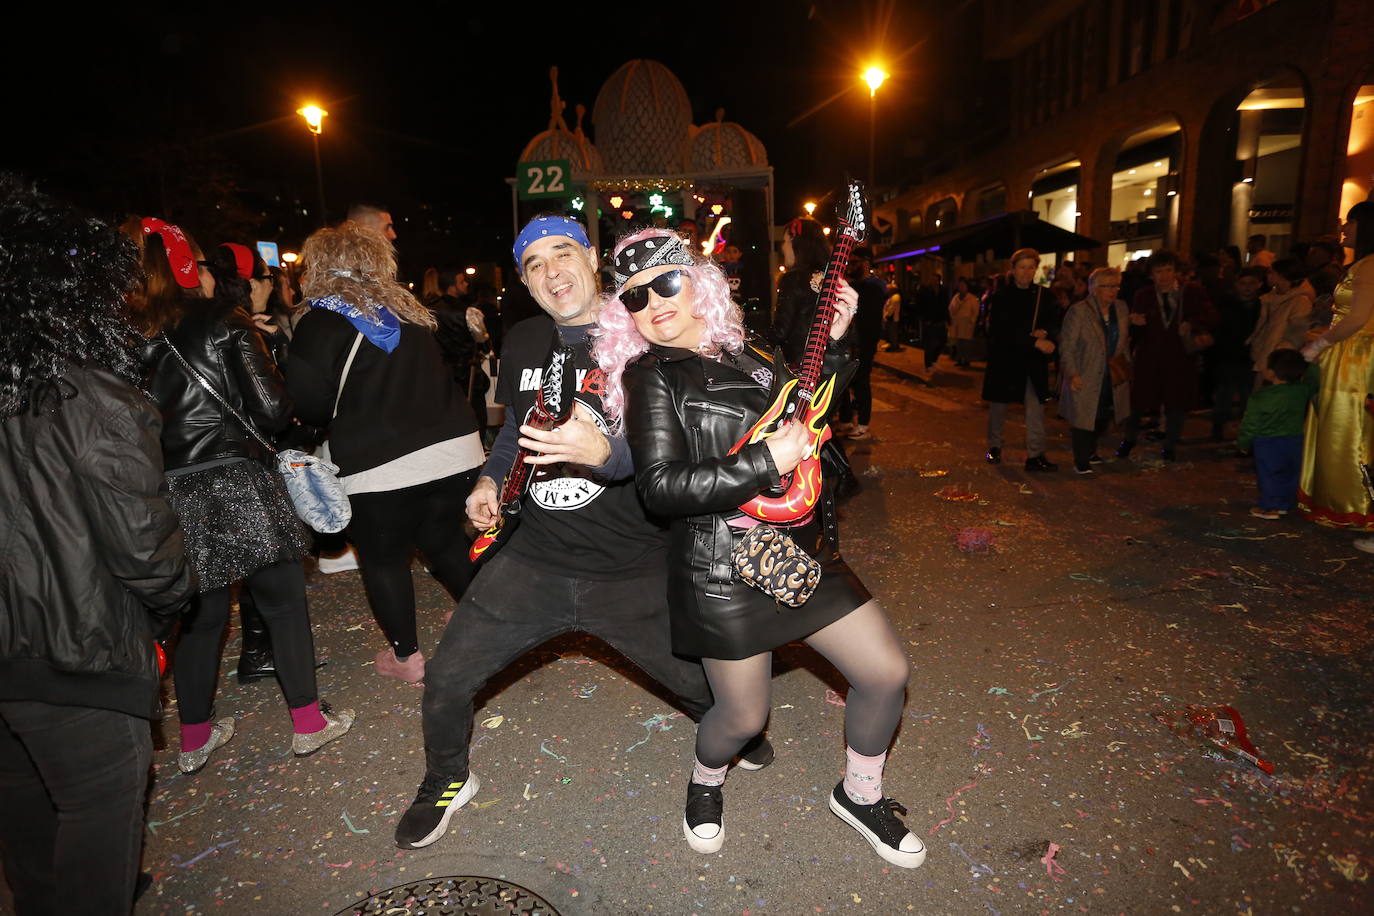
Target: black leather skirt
{"x": 715, "y": 615}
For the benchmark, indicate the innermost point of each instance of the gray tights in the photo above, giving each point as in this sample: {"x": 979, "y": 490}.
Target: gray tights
{"x": 865, "y": 649}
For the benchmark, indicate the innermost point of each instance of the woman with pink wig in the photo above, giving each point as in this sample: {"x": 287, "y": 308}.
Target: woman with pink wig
{"x": 687, "y": 386}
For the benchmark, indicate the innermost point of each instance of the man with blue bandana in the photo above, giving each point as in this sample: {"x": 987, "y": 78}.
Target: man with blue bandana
{"x": 585, "y": 557}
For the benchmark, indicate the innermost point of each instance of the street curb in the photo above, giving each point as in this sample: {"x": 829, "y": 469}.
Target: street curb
{"x": 900, "y": 373}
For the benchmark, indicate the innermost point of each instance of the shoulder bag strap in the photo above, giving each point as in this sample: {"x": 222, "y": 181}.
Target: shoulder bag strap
{"x": 252, "y": 431}
{"x": 357, "y": 341}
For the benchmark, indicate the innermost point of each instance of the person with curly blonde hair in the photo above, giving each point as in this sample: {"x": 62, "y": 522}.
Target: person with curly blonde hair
{"x": 364, "y": 363}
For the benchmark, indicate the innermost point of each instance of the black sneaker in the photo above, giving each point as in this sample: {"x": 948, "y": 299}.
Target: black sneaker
{"x": 427, "y": 817}
{"x": 1096, "y": 459}
{"x": 878, "y": 824}
{"x": 757, "y": 754}
{"x": 1123, "y": 450}
{"x": 703, "y": 824}
{"x": 1084, "y": 471}
{"x": 994, "y": 455}
{"x": 1040, "y": 464}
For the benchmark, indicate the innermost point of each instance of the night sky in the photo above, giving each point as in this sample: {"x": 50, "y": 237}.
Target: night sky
{"x": 189, "y": 112}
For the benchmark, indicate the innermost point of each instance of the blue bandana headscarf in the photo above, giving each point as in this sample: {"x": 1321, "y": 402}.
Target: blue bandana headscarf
{"x": 383, "y": 332}
{"x": 544, "y": 226}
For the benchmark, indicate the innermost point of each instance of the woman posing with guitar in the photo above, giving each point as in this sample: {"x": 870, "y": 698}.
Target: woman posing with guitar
{"x": 692, "y": 392}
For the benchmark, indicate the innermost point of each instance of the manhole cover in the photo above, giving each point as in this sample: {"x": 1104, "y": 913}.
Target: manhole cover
{"x": 465, "y": 895}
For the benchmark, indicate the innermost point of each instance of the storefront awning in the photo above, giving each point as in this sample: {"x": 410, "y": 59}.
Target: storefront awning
{"x": 1000, "y": 234}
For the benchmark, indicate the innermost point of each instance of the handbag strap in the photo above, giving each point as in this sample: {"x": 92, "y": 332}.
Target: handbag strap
{"x": 216, "y": 395}
{"x": 357, "y": 341}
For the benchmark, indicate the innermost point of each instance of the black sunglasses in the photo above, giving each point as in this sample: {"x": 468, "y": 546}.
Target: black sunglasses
{"x": 665, "y": 285}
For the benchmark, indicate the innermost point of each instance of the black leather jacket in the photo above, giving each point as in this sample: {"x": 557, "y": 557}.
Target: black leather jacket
{"x": 91, "y": 555}
{"x": 230, "y": 353}
{"x": 684, "y": 413}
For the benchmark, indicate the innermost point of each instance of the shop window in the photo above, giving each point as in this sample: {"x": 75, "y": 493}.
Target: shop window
{"x": 1268, "y": 155}
{"x": 1359, "y": 152}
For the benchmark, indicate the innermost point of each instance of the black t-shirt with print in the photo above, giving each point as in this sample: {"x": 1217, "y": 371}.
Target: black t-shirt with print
{"x": 573, "y": 523}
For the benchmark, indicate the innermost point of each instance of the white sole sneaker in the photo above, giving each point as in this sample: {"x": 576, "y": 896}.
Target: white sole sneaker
{"x": 894, "y": 856}
{"x": 344, "y": 562}
{"x": 464, "y": 796}
{"x": 703, "y": 844}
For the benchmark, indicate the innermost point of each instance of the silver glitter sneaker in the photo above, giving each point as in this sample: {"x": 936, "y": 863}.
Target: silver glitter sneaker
{"x": 194, "y": 761}
{"x": 337, "y": 725}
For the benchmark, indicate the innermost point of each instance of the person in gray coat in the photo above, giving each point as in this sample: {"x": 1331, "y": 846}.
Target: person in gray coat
{"x": 1094, "y": 336}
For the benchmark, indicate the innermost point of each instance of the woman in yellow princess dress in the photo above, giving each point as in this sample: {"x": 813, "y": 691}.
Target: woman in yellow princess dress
{"x": 1340, "y": 428}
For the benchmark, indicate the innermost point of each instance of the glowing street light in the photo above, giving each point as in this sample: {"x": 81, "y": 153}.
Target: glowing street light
{"x": 809, "y": 207}
{"x": 874, "y": 76}
{"x": 314, "y": 117}
{"x": 314, "y": 120}
{"x": 470, "y": 271}
{"x": 289, "y": 257}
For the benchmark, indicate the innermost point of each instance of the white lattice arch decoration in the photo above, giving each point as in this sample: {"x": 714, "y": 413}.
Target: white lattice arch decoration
{"x": 643, "y": 120}
{"x": 723, "y": 145}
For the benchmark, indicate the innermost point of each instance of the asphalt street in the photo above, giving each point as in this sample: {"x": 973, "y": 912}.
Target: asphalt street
{"x": 1050, "y": 620}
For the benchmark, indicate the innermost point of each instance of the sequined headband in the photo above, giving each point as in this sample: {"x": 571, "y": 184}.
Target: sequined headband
{"x": 650, "y": 252}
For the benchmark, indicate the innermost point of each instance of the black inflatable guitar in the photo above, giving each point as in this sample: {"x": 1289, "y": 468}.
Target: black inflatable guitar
{"x": 553, "y": 406}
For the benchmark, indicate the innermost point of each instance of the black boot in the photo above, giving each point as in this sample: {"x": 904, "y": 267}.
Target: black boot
{"x": 255, "y": 656}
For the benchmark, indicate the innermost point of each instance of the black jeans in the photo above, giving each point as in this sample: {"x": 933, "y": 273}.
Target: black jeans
{"x": 279, "y": 591}
{"x": 514, "y": 606}
{"x": 933, "y": 340}
{"x": 858, "y": 397}
{"x": 389, "y": 526}
{"x": 1173, "y": 428}
{"x": 72, "y": 784}
{"x": 1230, "y": 394}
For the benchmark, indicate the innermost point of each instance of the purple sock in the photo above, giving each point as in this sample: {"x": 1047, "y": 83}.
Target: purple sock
{"x": 194, "y": 735}
{"x": 307, "y": 719}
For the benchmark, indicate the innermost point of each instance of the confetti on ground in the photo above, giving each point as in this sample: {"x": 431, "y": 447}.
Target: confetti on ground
{"x": 976, "y": 540}
{"x": 956, "y": 493}
{"x": 493, "y": 721}
{"x": 1052, "y": 866}
{"x": 349, "y": 824}
{"x": 833, "y": 698}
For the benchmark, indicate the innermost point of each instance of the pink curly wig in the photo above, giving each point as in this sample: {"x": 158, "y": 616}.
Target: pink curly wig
{"x": 618, "y": 342}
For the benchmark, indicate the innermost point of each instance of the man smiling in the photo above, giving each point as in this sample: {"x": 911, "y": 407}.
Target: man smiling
{"x": 585, "y": 557}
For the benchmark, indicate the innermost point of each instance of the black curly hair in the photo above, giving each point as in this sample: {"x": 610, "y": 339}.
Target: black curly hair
{"x": 63, "y": 278}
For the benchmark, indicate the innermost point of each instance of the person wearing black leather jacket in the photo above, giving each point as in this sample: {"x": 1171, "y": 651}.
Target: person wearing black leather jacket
{"x": 92, "y": 566}
{"x": 700, "y": 389}
{"x": 211, "y": 375}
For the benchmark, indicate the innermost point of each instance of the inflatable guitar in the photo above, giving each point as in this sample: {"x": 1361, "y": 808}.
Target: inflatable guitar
{"x": 553, "y": 405}
{"x": 802, "y": 488}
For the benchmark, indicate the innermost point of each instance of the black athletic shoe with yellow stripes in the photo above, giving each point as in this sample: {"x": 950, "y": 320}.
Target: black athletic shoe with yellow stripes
{"x": 427, "y": 818}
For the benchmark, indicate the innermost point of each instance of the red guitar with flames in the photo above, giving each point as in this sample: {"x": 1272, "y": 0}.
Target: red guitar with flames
{"x": 801, "y": 489}
{"x": 553, "y": 406}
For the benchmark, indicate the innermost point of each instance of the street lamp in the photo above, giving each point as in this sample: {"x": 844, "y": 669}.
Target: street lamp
{"x": 314, "y": 120}
{"x": 874, "y": 76}
{"x": 809, "y": 207}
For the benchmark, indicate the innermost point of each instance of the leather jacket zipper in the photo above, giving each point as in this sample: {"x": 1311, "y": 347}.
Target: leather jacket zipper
{"x": 713, "y": 407}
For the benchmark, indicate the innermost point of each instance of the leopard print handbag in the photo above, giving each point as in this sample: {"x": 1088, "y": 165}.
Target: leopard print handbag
{"x": 770, "y": 561}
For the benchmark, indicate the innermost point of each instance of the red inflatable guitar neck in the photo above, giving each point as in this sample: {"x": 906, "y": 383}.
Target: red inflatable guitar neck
{"x": 805, "y": 398}
{"x": 813, "y": 358}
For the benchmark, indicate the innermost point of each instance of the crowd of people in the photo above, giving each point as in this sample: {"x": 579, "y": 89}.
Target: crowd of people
{"x": 148, "y": 386}
{"x": 1275, "y": 350}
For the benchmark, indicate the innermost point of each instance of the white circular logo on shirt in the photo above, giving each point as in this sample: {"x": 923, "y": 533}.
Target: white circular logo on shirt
{"x": 570, "y": 491}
